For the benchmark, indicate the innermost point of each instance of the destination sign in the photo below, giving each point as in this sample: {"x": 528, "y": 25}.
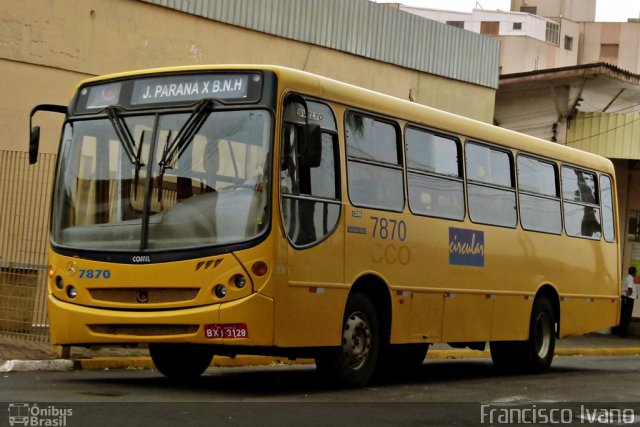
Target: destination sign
{"x": 142, "y": 92}
{"x": 177, "y": 88}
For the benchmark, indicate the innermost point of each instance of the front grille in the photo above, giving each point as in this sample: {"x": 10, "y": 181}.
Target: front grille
{"x": 154, "y": 295}
{"x": 144, "y": 330}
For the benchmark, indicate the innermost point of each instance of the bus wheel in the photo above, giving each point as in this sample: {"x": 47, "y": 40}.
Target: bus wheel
{"x": 353, "y": 363}
{"x": 181, "y": 361}
{"x": 535, "y": 354}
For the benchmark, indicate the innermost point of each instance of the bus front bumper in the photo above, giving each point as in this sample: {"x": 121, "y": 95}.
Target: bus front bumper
{"x": 246, "y": 322}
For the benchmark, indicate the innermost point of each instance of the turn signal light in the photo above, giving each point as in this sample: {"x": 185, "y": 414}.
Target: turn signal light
{"x": 259, "y": 268}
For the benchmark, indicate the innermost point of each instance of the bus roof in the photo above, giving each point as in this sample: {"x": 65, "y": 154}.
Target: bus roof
{"x": 386, "y": 105}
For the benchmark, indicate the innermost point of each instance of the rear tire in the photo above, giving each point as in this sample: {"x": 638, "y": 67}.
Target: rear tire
{"x": 181, "y": 361}
{"x": 353, "y": 363}
{"x": 535, "y": 354}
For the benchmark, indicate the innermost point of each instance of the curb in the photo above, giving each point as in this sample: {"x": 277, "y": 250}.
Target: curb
{"x": 144, "y": 362}
{"x": 624, "y": 351}
{"x": 37, "y": 365}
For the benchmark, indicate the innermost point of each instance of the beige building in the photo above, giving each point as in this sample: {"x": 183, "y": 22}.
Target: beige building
{"x": 527, "y": 41}
{"x": 46, "y": 47}
{"x": 540, "y": 34}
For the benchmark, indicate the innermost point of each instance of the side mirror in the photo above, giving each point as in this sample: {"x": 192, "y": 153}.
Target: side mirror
{"x": 34, "y": 144}
{"x": 34, "y": 131}
{"x": 311, "y": 146}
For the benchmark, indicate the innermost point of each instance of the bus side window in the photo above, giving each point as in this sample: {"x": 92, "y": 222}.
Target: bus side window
{"x": 606, "y": 196}
{"x": 538, "y": 195}
{"x": 374, "y": 163}
{"x": 434, "y": 174}
{"x": 581, "y": 204}
{"x": 310, "y": 194}
{"x": 492, "y": 198}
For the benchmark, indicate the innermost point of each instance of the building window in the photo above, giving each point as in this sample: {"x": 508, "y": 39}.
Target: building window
{"x": 553, "y": 33}
{"x": 634, "y": 226}
{"x": 457, "y": 24}
{"x": 568, "y": 43}
{"x": 533, "y": 10}
{"x": 490, "y": 28}
{"x": 517, "y": 25}
{"x": 609, "y": 53}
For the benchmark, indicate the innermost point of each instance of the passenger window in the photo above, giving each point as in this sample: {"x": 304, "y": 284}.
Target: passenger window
{"x": 539, "y": 196}
{"x": 581, "y": 206}
{"x": 310, "y": 194}
{"x": 374, "y": 163}
{"x": 606, "y": 195}
{"x": 434, "y": 175}
{"x": 492, "y": 198}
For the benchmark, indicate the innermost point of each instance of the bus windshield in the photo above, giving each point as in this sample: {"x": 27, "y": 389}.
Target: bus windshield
{"x": 162, "y": 181}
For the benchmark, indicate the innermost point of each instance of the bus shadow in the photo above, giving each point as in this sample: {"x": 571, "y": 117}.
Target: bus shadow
{"x": 284, "y": 381}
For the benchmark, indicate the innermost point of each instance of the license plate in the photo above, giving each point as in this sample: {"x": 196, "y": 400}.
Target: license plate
{"x": 233, "y": 330}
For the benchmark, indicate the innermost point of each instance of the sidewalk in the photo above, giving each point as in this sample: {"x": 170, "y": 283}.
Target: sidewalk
{"x": 21, "y": 355}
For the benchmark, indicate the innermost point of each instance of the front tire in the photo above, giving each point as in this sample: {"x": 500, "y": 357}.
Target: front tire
{"x": 535, "y": 354}
{"x": 181, "y": 361}
{"x": 353, "y": 363}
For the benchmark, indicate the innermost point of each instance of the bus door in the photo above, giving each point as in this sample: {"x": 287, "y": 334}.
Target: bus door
{"x": 310, "y": 209}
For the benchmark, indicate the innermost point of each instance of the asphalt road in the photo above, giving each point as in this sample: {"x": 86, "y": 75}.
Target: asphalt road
{"x": 578, "y": 390}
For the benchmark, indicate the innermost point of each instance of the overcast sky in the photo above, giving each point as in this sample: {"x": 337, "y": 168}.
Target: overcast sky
{"x": 606, "y": 10}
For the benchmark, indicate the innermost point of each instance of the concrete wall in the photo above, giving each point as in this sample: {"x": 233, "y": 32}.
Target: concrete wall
{"x": 47, "y": 46}
{"x": 522, "y": 49}
{"x": 519, "y": 54}
{"x": 576, "y": 10}
{"x": 536, "y": 116}
{"x": 625, "y": 35}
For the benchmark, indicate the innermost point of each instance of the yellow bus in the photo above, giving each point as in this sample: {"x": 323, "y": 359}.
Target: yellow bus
{"x": 248, "y": 209}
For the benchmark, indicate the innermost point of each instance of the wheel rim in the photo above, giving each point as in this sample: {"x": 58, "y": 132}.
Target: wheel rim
{"x": 542, "y": 336}
{"x": 356, "y": 341}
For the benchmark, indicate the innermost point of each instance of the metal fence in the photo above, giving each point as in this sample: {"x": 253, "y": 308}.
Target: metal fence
{"x": 24, "y": 217}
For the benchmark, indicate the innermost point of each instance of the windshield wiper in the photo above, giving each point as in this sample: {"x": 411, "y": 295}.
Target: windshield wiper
{"x": 185, "y": 134}
{"x": 163, "y": 161}
{"x": 128, "y": 144}
{"x": 122, "y": 131}
{"x": 174, "y": 149}
{"x": 138, "y": 164}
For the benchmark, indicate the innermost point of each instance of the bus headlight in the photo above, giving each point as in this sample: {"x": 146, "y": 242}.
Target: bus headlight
{"x": 59, "y": 282}
{"x": 220, "y": 291}
{"x": 72, "y": 291}
{"x": 239, "y": 281}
